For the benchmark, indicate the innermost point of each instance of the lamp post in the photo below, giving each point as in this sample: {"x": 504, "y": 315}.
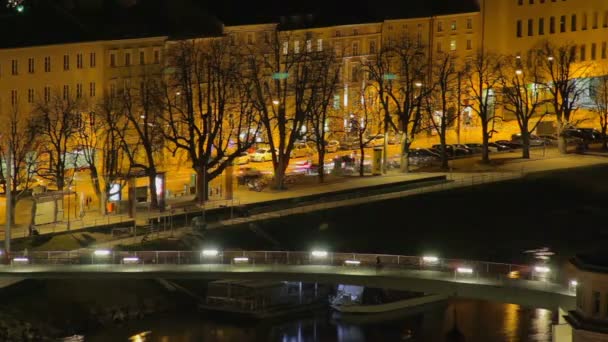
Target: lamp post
{"x": 7, "y": 232}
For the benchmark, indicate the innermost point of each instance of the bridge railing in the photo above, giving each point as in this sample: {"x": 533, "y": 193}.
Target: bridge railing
{"x": 457, "y": 267}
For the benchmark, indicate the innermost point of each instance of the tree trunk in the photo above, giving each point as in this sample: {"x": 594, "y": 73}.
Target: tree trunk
{"x": 525, "y": 150}
{"x": 405, "y": 151}
{"x": 152, "y": 186}
{"x": 562, "y": 145}
{"x": 362, "y": 161}
{"x": 202, "y": 186}
{"x": 485, "y": 136}
{"x": 279, "y": 172}
{"x": 12, "y": 208}
{"x": 33, "y": 212}
{"x": 444, "y": 153}
{"x": 95, "y": 182}
{"x": 321, "y": 166}
{"x": 604, "y": 140}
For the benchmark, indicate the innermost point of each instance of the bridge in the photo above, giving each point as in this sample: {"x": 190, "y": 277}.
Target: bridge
{"x": 529, "y": 285}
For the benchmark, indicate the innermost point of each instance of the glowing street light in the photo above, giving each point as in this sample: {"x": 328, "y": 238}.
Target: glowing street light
{"x": 319, "y": 254}
{"x": 275, "y": 102}
{"x": 241, "y": 260}
{"x": 130, "y": 260}
{"x": 550, "y": 58}
{"x": 101, "y": 252}
{"x": 518, "y": 72}
{"x": 352, "y": 262}
{"x": 542, "y": 269}
{"x": 418, "y": 84}
{"x": 464, "y": 270}
{"x": 210, "y": 252}
{"x": 430, "y": 259}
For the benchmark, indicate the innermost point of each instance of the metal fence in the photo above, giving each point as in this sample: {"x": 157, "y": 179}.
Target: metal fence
{"x": 464, "y": 268}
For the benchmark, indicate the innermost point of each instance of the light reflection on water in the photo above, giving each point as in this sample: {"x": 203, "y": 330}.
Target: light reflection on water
{"x": 479, "y": 321}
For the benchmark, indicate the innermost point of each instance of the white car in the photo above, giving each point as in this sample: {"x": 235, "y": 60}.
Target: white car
{"x": 242, "y": 158}
{"x": 332, "y": 146}
{"x": 262, "y": 155}
{"x": 301, "y": 150}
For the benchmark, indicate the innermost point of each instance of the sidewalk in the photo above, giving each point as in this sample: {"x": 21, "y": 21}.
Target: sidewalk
{"x": 504, "y": 163}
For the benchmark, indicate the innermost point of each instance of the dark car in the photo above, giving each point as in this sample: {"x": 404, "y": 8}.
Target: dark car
{"x": 499, "y": 147}
{"x": 549, "y": 139}
{"x": 591, "y": 134}
{"x": 464, "y": 148}
{"x": 422, "y": 156}
{"x": 534, "y": 140}
{"x": 510, "y": 144}
{"x": 452, "y": 151}
{"x": 475, "y": 148}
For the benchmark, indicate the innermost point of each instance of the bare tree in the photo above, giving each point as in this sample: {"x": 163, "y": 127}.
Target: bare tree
{"x": 523, "y": 94}
{"x": 600, "y": 105}
{"x": 20, "y": 140}
{"x": 143, "y": 141}
{"x": 282, "y": 78}
{"x": 368, "y": 117}
{"x": 327, "y": 69}
{"x": 482, "y": 77}
{"x": 56, "y": 122}
{"x": 107, "y": 149}
{"x": 209, "y": 113}
{"x": 441, "y": 103}
{"x": 565, "y": 80}
{"x": 412, "y": 70}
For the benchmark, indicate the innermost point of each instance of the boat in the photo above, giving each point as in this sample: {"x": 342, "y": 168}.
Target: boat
{"x": 351, "y": 299}
{"x": 260, "y": 299}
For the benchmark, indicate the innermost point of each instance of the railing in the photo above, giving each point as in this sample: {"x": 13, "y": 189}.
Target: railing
{"x": 465, "y": 269}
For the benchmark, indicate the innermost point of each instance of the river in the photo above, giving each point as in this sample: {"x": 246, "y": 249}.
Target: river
{"x": 478, "y": 321}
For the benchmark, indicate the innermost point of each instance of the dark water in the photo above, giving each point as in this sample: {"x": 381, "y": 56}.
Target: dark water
{"x": 478, "y": 321}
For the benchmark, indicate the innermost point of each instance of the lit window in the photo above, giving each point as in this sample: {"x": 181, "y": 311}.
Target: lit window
{"x": 296, "y": 46}
{"x": 319, "y": 44}
{"x": 453, "y": 26}
{"x": 453, "y": 45}
{"x": 309, "y": 45}
{"x": 285, "y": 47}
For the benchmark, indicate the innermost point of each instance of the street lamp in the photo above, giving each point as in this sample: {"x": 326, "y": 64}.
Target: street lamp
{"x": 518, "y": 72}
{"x": 275, "y": 102}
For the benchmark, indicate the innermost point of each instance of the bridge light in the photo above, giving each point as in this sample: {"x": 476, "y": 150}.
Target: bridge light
{"x": 464, "y": 270}
{"x": 573, "y": 283}
{"x": 210, "y": 252}
{"x": 352, "y": 262}
{"x": 21, "y": 260}
{"x": 542, "y": 269}
{"x": 241, "y": 260}
{"x": 319, "y": 254}
{"x": 130, "y": 260}
{"x": 430, "y": 259}
{"x": 102, "y": 252}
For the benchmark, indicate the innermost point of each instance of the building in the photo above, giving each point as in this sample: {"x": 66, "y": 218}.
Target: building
{"x": 589, "y": 321}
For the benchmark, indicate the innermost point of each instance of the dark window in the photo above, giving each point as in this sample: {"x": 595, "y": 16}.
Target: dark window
{"x": 562, "y": 24}
{"x": 530, "y": 27}
{"x": 519, "y": 28}
{"x": 596, "y": 303}
{"x": 552, "y": 25}
{"x": 573, "y": 23}
{"x": 593, "y": 51}
{"x": 541, "y": 26}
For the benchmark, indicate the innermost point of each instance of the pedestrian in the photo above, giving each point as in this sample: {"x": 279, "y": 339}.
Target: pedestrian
{"x": 378, "y": 263}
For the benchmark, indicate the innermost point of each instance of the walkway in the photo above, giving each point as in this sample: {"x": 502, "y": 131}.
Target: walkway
{"x": 518, "y": 284}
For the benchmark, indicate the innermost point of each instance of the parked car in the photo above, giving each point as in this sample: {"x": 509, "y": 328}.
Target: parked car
{"x": 509, "y": 144}
{"x": 312, "y": 145}
{"x": 591, "y": 134}
{"x": 476, "y": 148}
{"x": 496, "y": 147}
{"x": 549, "y": 139}
{"x": 464, "y": 147}
{"x": 534, "y": 139}
{"x": 301, "y": 150}
{"x": 452, "y": 151}
{"x": 332, "y": 146}
{"x": 375, "y": 140}
{"x": 262, "y": 155}
{"x": 242, "y": 158}
{"x": 422, "y": 156}
{"x": 246, "y": 174}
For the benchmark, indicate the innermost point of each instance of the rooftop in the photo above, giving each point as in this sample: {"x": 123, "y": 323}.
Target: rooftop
{"x": 594, "y": 261}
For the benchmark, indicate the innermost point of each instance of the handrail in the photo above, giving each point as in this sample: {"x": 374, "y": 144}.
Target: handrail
{"x": 458, "y": 267}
